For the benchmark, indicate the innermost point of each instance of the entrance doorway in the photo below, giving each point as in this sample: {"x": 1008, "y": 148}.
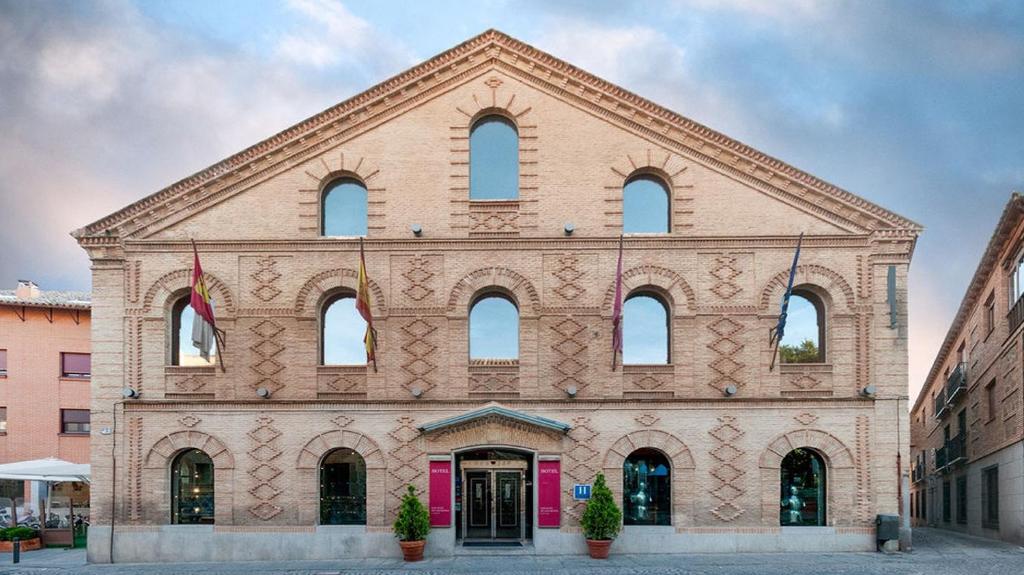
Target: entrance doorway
{"x": 494, "y": 495}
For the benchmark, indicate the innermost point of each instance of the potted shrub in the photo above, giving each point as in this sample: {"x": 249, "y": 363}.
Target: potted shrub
{"x": 29, "y": 539}
{"x": 411, "y": 526}
{"x": 601, "y": 520}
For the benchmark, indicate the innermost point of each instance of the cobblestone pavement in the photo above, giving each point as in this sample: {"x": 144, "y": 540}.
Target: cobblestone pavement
{"x": 935, "y": 553}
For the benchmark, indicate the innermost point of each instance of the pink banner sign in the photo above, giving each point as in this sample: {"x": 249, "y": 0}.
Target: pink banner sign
{"x": 440, "y": 494}
{"x": 549, "y": 494}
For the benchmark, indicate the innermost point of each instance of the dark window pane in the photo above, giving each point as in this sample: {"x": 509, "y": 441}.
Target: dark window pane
{"x": 494, "y": 160}
{"x": 75, "y": 365}
{"x": 192, "y": 488}
{"x": 344, "y": 208}
{"x": 961, "y": 500}
{"x": 74, "y": 421}
{"x": 647, "y": 488}
{"x": 343, "y": 333}
{"x": 645, "y": 206}
{"x": 493, "y": 329}
{"x": 3, "y": 420}
{"x": 3, "y": 362}
{"x": 946, "y": 502}
{"x": 803, "y": 484}
{"x": 343, "y": 488}
{"x": 802, "y": 340}
{"x": 990, "y": 497}
{"x": 645, "y": 330}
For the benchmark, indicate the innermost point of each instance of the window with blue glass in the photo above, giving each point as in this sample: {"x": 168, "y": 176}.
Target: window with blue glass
{"x": 192, "y": 488}
{"x": 341, "y": 331}
{"x": 343, "y": 488}
{"x": 343, "y": 208}
{"x": 647, "y": 488}
{"x": 802, "y": 497}
{"x": 645, "y": 329}
{"x": 493, "y": 328}
{"x": 493, "y": 159}
{"x": 645, "y": 205}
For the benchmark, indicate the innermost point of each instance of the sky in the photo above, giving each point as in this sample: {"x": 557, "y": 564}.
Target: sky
{"x": 914, "y": 105}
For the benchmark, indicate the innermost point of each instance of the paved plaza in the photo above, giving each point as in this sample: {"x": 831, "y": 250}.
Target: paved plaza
{"x": 935, "y": 553}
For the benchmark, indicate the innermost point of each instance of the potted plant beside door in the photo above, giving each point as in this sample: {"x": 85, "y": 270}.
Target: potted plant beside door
{"x": 411, "y": 526}
{"x": 601, "y": 520}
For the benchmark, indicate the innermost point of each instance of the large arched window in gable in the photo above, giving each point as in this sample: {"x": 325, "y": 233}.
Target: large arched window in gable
{"x": 183, "y": 351}
{"x": 645, "y": 205}
{"x": 645, "y": 329}
{"x": 192, "y": 488}
{"x": 804, "y": 338}
{"x": 493, "y": 328}
{"x": 341, "y": 331}
{"x": 493, "y": 159}
{"x": 343, "y": 208}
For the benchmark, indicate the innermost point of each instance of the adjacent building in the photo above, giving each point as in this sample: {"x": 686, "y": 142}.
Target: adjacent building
{"x": 489, "y": 187}
{"x": 45, "y": 379}
{"x": 967, "y": 423}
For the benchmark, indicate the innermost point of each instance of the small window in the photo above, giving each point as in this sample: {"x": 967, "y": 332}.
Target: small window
{"x": 645, "y": 206}
{"x": 990, "y": 399}
{"x": 494, "y": 159}
{"x": 990, "y": 313}
{"x": 493, "y": 328}
{"x": 946, "y": 502}
{"x": 3, "y": 420}
{"x": 75, "y": 365}
{"x": 344, "y": 208}
{"x": 3, "y": 363}
{"x": 804, "y": 337}
{"x": 645, "y": 330}
{"x": 647, "y": 488}
{"x": 342, "y": 330}
{"x": 990, "y": 497}
{"x": 183, "y": 351}
{"x": 192, "y": 488}
{"x": 1016, "y": 286}
{"x": 961, "y": 500}
{"x": 74, "y": 421}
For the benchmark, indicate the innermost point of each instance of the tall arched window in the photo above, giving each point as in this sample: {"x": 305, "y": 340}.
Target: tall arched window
{"x": 192, "y": 488}
{"x": 183, "y": 351}
{"x": 802, "y": 489}
{"x": 343, "y": 488}
{"x": 645, "y": 205}
{"x": 645, "y": 329}
{"x": 343, "y": 208}
{"x": 493, "y": 328}
{"x": 341, "y": 331}
{"x": 647, "y": 488}
{"x": 804, "y": 338}
{"x": 493, "y": 159}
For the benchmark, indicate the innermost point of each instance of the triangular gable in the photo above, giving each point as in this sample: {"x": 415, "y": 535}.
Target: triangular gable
{"x": 457, "y": 65}
{"x": 495, "y": 410}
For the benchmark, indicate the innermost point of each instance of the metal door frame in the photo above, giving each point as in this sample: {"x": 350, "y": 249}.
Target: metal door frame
{"x": 492, "y": 467}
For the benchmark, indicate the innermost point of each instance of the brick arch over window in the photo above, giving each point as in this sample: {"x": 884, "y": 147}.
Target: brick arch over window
{"x": 156, "y": 474}
{"x": 311, "y": 293}
{"x": 678, "y": 294}
{"x": 307, "y": 468}
{"x": 527, "y": 299}
{"x": 164, "y": 450}
{"x": 669, "y": 167}
{"x": 827, "y": 280}
{"x": 333, "y": 166}
{"x": 171, "y": 285}
{"x": 682, "y": 471}
{"x": 840, "y": 474}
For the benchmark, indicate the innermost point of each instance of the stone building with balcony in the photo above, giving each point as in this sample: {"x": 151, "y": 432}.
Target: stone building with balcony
{"x": 489, "y": 187}
{"x": 967, "y": 435}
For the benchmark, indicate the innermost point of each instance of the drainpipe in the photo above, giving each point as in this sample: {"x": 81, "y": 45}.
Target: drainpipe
{"x": 113, "y": 475}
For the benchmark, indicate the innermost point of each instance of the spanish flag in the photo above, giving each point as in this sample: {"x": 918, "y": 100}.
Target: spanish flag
{"x": 363, "y": 307}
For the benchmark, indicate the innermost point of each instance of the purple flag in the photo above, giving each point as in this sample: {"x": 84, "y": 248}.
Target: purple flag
{"x": 617, "y": 312}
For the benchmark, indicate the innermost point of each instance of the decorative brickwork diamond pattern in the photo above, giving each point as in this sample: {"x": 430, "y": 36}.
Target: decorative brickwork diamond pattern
{"x": 570, "y": 352}
{"x": 266, "y": 276}
{"x": 418, "y": 365}
{"x": 265, "y": 353}
{"x": 418, "y": 275}
{"x": 569, "y": 275}
{"x": 724, "y": 271}
{"x": 728, "y": 470}
{"x": 581, "y": 463}
{"x": 264, "y": 471}
{"x": 407, "y": 461}
{"x": 726, "y": 345}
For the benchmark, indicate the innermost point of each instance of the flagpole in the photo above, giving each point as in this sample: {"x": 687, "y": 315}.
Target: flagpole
{"x": 776, "y": 334}
{"x": 617, "y": 310}
{"x": 371, "y": 332}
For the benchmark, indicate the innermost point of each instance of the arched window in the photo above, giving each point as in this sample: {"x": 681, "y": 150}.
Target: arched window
{"x": 493, "y": 159}
{"x": 343, "y": 488}
{"x": 645, "y": 205}
{"x": 183, "y": 351}
{"x": 804, "y": 338}
{"x": 192, "y": 488}
{"x": 341, "y": 332}
{"x": 803, "y": 489}
{"x": 647, "y": 488}
{"x": 645, "y": 329}
{"x": 493, "y": 328}
{"x": 343, "y": 208}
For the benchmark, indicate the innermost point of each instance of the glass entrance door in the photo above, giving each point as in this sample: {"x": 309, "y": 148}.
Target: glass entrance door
{"x": 508, "y": 504}
{"x": 494, "y": 504}
{"x": 478, "y": 498}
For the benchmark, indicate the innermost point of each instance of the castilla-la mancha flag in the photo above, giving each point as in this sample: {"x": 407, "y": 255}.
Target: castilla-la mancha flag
{"x": 204, "y": 326}
{"x": 363, "y": 307}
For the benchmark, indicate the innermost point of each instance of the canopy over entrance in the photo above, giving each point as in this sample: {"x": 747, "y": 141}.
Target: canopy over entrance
{"x": 494, "y": 410}
{"x": 49, "y": 469}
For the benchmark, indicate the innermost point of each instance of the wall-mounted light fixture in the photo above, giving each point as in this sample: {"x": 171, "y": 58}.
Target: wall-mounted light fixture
{"x": 571, "y": 391}
{"x": 729, "y": 391}
{"x": 417, "y": 230}
{"x": 868, "y": 391}
{"x": 569, "y": 228}
{"x": 129, "y": 393}
{"x": 416, "y": 392}
{"x": 263, "y": 393}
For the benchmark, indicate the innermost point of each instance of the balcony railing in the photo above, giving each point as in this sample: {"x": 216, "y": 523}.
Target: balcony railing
{"x": 940, "y": 403}
{"x": 941, "y": 459}
{"x": 956, "y": 449}
{"x": 1016, "y": 315}
{"x": 956, "y": 385}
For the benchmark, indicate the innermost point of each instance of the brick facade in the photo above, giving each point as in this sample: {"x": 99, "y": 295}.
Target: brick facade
{"x": 735, "y": 217}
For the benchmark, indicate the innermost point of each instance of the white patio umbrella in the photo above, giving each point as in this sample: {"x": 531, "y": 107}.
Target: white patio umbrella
{"x": 49, "y": 469}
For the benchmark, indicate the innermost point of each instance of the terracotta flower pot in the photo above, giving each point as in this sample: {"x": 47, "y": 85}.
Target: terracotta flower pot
{"x": 599, "y": 548}
{"x": 412, "y": 550}
{"x": 26, "y": 545}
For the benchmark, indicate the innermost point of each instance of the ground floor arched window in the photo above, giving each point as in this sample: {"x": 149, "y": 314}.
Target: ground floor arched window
{"x": 647, "y": 488}
{"x": 192, "y": 488}
{"x": 803, "y": 489}
{"x": 343, "y": 488}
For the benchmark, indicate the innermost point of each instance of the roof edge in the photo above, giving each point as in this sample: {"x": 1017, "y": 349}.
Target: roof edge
{"x": 495, "y": 409}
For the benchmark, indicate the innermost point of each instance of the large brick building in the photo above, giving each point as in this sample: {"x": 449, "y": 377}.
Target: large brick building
{"x": 967, "y": 425}
{"x": 496, "y": 174}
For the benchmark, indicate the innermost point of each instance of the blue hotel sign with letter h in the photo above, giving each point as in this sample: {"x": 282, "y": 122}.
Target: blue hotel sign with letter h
{"x": 581, "y": 491}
